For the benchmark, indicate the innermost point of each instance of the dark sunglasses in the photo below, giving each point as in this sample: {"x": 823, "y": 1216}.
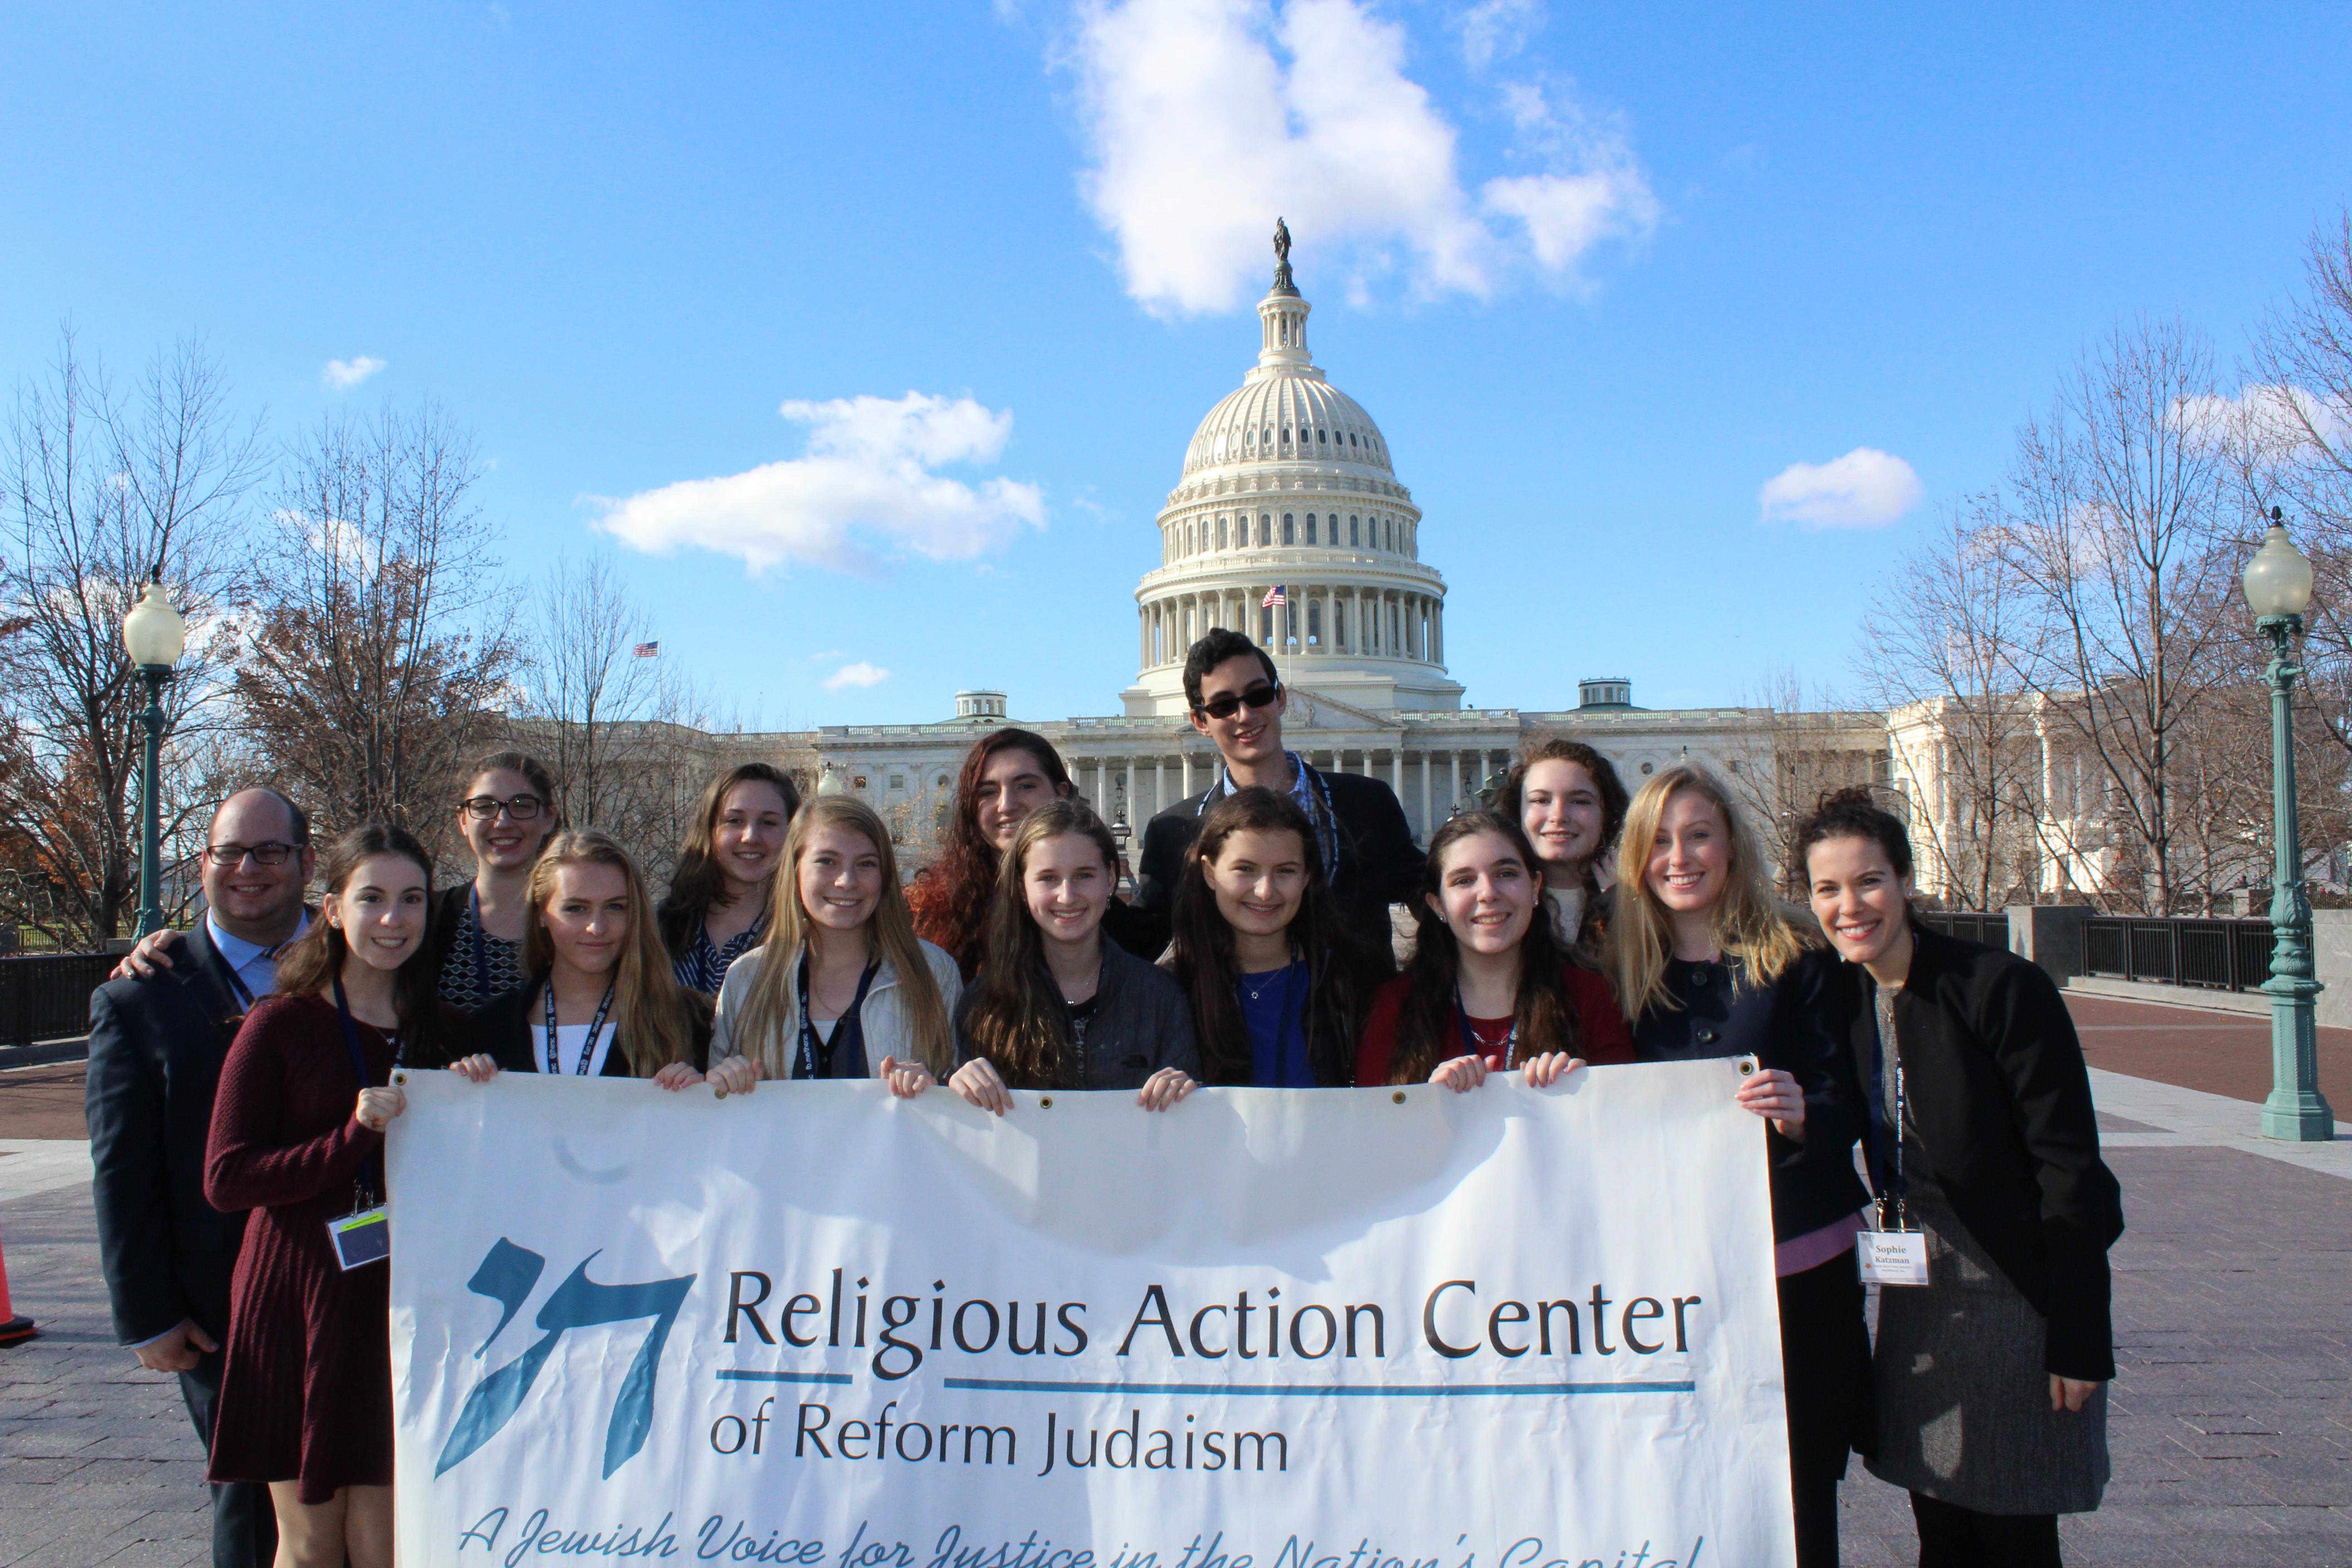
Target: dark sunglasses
{"x": 521, "y": 808}
{"x": 1226, "y": 707}
{"x": 232, "y": 855}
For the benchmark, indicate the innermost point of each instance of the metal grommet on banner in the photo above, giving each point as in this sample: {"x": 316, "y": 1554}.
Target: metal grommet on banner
{"x": 1045, "y": 1102}
{"x": 719, "y": 1092}
{"x": 1747, "y": 1064}
{"x": 1397, "y": 1097}
{"x": 399, "y": 1078}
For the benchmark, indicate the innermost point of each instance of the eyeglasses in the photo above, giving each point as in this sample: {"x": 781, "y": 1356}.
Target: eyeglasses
{"x": 521, "y": 808}
{"x": 233, "y": 855}
{"x": 1226, "y": 707}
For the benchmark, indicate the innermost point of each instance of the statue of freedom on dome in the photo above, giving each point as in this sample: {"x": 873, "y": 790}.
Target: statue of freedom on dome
{"x": 1282, "y": 283}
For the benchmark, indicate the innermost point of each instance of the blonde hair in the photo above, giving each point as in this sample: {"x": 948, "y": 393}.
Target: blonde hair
{"x": 768, "y": 1000}
{"x": 653, "y": 1017}
{"x": 1748, "y": 920}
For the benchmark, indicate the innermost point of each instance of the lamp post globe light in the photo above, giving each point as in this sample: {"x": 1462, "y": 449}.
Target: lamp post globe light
{"x": 153, "y": 635}
{"x": 2277, "y": 583}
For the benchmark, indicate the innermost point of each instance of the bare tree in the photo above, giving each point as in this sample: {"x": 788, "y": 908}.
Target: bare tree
{"x": 583, "y": 679}
{"x": 106, "y": 492}
{"x": 1802, "y": 749}
{"x": 383, "y": 636}
{"x": 1967, "y": 740}
{"x": 2111, "y": 529}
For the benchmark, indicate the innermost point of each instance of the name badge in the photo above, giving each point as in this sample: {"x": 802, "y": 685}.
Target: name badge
{"x": 360, "y": 1238}
{"x": 1892, "y": 1257}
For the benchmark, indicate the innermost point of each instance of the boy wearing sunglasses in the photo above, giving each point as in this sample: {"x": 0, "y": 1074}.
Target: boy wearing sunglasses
{"x": 1237, "y": 701}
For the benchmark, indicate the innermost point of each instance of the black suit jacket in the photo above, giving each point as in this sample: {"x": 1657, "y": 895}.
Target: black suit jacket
{"x": 508, "y": 1029}
{"x": 1994, "y": 1074}
{"x": 1379, "y": 865}
{"x": 155, "y": 1051}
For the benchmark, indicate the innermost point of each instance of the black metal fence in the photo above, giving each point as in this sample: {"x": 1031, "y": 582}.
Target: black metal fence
{"x": 2214, "y": 956}
{"x": 1968, "y": 925}
{"x": 46, "y": 996}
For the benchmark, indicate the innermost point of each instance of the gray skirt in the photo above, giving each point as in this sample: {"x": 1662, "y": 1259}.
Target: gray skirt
{"x": 1964, "y": 1410}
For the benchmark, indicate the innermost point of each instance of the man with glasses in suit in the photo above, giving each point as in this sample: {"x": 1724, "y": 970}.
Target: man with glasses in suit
{"x": 158, "y": 1035}
{"x": 1237, "y": 700}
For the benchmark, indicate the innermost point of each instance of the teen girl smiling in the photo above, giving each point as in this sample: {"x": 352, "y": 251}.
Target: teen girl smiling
{"x": 1007, "y": 775}
{"x": 1490, "y": 988}
{"x": 1568, "y": 801}
{"x": 1707, "y": 965}
{"x": 717, "y": 908}
{"x": 601, "y": 1001}
{"x": 842, "y": 987}
{"x": 1056, "y": 1006}
{"x": 1278, "y": 984}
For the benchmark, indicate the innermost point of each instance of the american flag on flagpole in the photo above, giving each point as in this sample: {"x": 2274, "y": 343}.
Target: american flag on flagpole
{"x": 1275, "y": 599}
{"x": 648, "y": 651}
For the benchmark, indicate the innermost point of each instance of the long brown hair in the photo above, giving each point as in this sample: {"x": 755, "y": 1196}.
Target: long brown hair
{"x": 951, "y": 894}
{"x": 653, "y": 1017}
{"x": 698, "y": 881}
{"x": 1013, "y": 1014}
{"x": 312, "y": 965}
{"x": 1200, "y": 950}
{"x": 1428, "y": 1027}
{"x": 768, "y": 1001}
{"x": 1748, "y": 920}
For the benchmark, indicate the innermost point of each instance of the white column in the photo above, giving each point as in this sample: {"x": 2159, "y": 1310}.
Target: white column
{"x": 1426, "y": 825}
{"x": 1396, "y": 769}
{"x": 1186, "y": 757}
{"x": 1159, "y": 785}
{"x": 1127, "y": 765}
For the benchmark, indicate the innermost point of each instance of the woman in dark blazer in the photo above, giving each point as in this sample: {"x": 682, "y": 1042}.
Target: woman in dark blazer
{"x": 601, "y": 1000}
{"x": 1708, "y": 966}
{"x": 1991, "y": 1378}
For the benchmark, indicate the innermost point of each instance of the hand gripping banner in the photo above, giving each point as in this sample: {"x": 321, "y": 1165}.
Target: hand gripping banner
{"x": 1325, "y": 1329}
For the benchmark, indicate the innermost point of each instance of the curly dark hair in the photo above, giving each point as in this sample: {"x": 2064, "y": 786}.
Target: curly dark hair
{"x": 1614, "y": 797}
{"x": 1855, "y": 813}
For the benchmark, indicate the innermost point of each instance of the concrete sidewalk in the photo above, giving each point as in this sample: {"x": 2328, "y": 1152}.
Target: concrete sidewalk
{"x": 2230, "y": 1417}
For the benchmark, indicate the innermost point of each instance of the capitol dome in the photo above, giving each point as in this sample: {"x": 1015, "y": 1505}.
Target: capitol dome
{"x": 1288, "y": 482}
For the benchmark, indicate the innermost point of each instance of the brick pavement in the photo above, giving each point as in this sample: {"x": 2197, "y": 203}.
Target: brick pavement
{"x": 2230, "y": 1417}
{"x": 2220, "y": 1053}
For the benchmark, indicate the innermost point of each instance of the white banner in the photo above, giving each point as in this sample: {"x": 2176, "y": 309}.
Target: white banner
{"x": 1335, "y": 1329}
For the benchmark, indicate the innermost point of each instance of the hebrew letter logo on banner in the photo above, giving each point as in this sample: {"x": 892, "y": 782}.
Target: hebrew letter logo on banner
{"x": 507, "y": 1274}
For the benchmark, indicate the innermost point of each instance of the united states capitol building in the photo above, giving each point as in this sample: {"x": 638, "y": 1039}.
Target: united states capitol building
{"x": 1289, "y": 481}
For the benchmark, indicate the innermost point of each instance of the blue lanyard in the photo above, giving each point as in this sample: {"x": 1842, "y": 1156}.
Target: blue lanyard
{"x": 848, "y": 1030}
{"x": 1326, "y": 821}
{"x": 595, "y": 1028}
{"x": 1470, "y": 1046}
{"x": 368, "y": 1174}
{"x": 236, "y": 985}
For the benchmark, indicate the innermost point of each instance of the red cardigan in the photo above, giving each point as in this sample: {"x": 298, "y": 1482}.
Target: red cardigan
{"x": 1607, "y": 1042}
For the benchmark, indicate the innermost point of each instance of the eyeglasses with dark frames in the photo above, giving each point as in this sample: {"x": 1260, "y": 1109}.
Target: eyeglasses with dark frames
{"x": 233, "y": 855}
{"x": 1226, "y": 707}
{"x": 521, "y": 808}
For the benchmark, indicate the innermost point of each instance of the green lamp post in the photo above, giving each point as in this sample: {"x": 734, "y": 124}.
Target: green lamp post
{"x": 2277, "y": 582}
{"x": 153, "y": 635}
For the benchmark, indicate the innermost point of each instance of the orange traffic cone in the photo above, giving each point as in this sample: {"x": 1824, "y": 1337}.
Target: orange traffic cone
{"x": 13, "y": 1330}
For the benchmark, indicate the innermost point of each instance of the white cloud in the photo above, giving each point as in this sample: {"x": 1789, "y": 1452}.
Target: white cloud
{"x": 1495, "y": 29}
{"x": 865, "y": 492}
{"x": 343, "y": 375}
{"x": 2277, "y": 420}
{"x": 1204, "y": 119}
{"x": 860, "y": 675}
{"x": 1864, "y": 489}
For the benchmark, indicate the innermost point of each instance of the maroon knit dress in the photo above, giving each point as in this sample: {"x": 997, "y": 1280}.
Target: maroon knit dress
{"x": 306, "y": 1391}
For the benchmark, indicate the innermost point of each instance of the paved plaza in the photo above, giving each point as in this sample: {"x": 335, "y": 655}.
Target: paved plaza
{"x": 2231, "y": 1413}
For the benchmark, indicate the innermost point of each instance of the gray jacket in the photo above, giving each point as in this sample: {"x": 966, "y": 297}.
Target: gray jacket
{"x": 1142, "y": 1022}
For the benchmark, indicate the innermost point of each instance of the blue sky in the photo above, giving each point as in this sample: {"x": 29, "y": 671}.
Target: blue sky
{"x": 1601, "y": 274}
